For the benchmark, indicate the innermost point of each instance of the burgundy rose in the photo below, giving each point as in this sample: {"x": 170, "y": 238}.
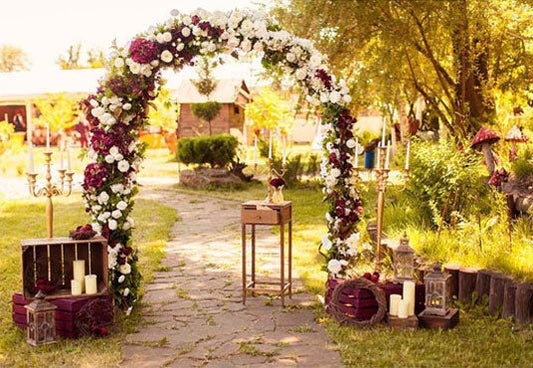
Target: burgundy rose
{"x": 143, "y": 51}
{"x": 94, "y": 175}
{"x": 324, "y": 77}
{"x": 126, "y": 251}
{"x": 195, "y": 19}
{"x": 277, "y": 182}
{"x": 339, "y": 211}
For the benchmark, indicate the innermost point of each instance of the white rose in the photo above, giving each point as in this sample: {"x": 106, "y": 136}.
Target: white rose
{"x": 103, "y": 198}
{"x": 126, "y": 291}
{"x": 335, "y": 172}
{"x": 353, "y": 240}
{"x": 186, "y": 20}
{"x": 135, "y": 68}
{"x": 101, "y": 217}
{"x": 326, "y": 242}
{"x": 123, "y": 166}
{"x": 119, "y": 62}
{"x": 166, "y": 56}
{"x": 116, "y": 214}
{"x": 315, "y": 60}
{"x": 211, "y": 47}
{"x": 126, "y": 106}
{"x": 159, "y": 38}
{"x": 335, "y": 266}
{"x": 167, "y": 36}
{"x": 97, "y": 112}
{"x": 126, "y": 226}
{"x": 186, "y": 31}
{"x": 119, "y": 157}
{"x": 93, "y": 102}
{"x": 246, "y": 45}
{"x": 334, "y": 97}
{"x": 121, "y": 279}
{"x": 291, "y": 57}
{"x": 122, "y": 205}
{"x": 350, "y": 143}
{"x": 125, "y": 269}
{"x": 112, "y": 259}
{"x": 97, "y": 227}
{"x": 131, "y": 221}
{"x": 347, "y": 98}
{"x": 117, "y": 188}
{"x": 180, "y": 47}
{"x": 109, "y": 159}
{"x": 301, "y": 74}
{"x": 113, "y": 150}
{"x": 112, "y": 224}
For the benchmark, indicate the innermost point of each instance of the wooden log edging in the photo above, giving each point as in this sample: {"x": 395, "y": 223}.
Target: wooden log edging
{"x": 523, "y": 310}
{"x": 467, "y": 283}
{"x": 483, "y": 285}
{"x": 509, "y": 299}
{"x": 498, "y": 281}
{"x": 453, "y": 281}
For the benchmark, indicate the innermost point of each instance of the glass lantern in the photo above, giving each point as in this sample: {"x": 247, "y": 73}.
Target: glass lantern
{"x": 404, "y": 257}
{"x": 437, "y": 291}
{"x": 41, "y": 328}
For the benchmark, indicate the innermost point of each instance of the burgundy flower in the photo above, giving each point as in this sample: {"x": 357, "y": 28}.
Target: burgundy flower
{"x": 324, "y": 77}
{"x": 95, "y": 175}
{"x": 143, "y": 51}
{"x": 277, "y": 182}
{"x": 195, "y": 19}
{"x": 126, "y": 251}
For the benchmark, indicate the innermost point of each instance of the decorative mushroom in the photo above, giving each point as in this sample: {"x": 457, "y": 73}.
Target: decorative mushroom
{"x": 514, "y": 135}
{"x": 483, "y": 140}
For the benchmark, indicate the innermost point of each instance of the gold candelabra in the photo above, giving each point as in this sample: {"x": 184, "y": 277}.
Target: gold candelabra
{"x": 271, "y": 172}
{"x": 50, "y": 190}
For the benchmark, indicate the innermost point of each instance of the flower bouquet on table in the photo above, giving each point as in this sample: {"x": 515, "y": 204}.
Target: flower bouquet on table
{"x": 83, "y": 232}
{"x": 277, "y": 184}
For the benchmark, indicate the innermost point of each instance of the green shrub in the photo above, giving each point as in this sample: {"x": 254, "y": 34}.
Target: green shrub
{"x": 216, "y": 150}
{"x": 522, "y": 168}
{"x": 447, "y": 182}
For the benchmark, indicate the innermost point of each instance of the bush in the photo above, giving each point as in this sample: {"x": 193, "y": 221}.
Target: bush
{"x": 216, "y": 150}
{"x": 447, "y": 182}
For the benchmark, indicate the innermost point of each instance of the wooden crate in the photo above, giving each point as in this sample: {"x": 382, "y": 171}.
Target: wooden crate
{"x": 51, "y": 260}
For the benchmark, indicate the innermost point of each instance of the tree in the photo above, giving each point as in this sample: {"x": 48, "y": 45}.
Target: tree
{"x": 206, "y": 85}
{"x": 72, "y": 58}
{"x": 58, "y": 110}
{"x": 13, "y": 59}
{"x": 165, "y": 112}
{"x": 454, "y": 53}
{"x": 269, "y": 110}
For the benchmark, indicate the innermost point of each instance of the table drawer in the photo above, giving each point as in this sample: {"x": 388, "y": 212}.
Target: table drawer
{"x": 266, "y": 217}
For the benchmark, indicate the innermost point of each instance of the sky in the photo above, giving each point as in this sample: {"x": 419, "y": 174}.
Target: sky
{"x": 45, "y": 28}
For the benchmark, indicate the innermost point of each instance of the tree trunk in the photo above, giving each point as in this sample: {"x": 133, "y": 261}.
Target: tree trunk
{"x": 497, "y": 291}
{"x": 453, "y": 281}
{"x": 483, "y": 285}
{"x": 467, "y": 284}
{"x": 523, "y": 308}
{"x": 509, "y": 299}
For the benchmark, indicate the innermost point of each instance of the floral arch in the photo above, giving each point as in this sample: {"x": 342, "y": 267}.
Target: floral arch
{"x": 119, "y": 108}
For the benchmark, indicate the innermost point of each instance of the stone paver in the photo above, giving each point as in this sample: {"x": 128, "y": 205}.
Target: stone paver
{"x": 195, "y": 317}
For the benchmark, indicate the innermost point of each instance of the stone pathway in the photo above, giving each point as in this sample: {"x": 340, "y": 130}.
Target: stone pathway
{"x": 195, "y": 317}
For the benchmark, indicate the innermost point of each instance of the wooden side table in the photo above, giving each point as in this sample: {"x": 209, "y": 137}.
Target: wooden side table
{"x": 274, "y": 214}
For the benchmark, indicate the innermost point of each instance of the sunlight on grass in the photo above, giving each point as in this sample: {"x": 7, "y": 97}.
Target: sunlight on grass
{"x": 25, "y": 219}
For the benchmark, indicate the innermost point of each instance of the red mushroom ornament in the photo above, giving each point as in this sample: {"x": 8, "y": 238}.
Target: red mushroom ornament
{"x": 515, "y": 135}
{"x": 483, "y": 140}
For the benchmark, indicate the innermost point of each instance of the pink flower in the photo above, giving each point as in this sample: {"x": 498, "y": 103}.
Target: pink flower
{"x": 143, "y": 51}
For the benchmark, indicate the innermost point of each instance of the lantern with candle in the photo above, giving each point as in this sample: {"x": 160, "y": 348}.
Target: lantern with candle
{"x": 41, "y": 321}
{"x": 403, "y": 261}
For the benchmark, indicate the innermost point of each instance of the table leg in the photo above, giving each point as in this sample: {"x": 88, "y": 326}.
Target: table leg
{"x": 290, "y": 259}
{"x": 243, "y": 263}
{"x": 253, "y": 257}
{"x": 282, "y": 262}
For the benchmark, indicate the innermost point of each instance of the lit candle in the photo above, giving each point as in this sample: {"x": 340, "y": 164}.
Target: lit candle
{"x": 68, "y": 158}
{"x": 79, "y": 271}
{"x": 387, "y": 157}
{"x": 31, "y": 156}
{"x": 356, "y": 158}
{"x": 409, "y": 295}
{"x": 383, "y": 132}
{"x": 378, "y": 165}
{"x": 255, "y": 150}
{"x": 75, "y": 287}
{"x": 394, "y": 304}
{"x": 403, "y": 309}
{"x": 47, "y": 136}
{"x": 61, "y": 149}
{"x": 284, "y": 149}
{"x": 407, "y": 155}
{"x": 269, "y": 144}
{"x": 90, "y": 284}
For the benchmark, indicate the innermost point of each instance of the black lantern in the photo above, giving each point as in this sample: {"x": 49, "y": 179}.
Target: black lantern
{"x": 404, "y": 257}
{"x": 436, "y": 291}
{"x": 41, "y": 328}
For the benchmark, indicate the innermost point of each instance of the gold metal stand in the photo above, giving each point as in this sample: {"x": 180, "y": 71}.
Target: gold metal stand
{"x": 50, "y": 190}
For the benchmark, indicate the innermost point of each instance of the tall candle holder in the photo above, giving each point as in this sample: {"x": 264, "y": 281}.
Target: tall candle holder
{"x": 50, "y": 189}
{"x": 271, "y": 172}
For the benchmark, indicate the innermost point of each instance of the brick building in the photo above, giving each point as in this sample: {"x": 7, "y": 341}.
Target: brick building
{"x": 233, "y": 94}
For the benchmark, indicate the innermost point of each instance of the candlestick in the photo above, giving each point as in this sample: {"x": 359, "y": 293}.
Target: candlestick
{"x": 31, "y": 168}
{"x": 407, "y": 154}
{"x": 91, "y": 286}
{"x": 48, "y": 136}
{"x": 378, "y": 163}
{"x": 383, "y": 131}
{"x": 269, "y": 144}
{"x": 394, "y": 304}
{"x": 356, "y": 159}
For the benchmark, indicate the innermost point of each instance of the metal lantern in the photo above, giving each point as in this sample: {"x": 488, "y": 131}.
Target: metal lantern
{"x": 437, "y": 291}
{"x": 404, "y": 257}
{"x": 41, "y": 328}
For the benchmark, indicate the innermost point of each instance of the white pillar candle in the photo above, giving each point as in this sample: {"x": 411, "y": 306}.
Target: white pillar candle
{"x": 269, "y": 144}
{"x": 47, "y": 136}
{"x": 394, "y": 304}
{"x": 90, "y": 284}
{"x": 79, "y": 271}
{"x": 403, "y": 309}
{"x": 407, "y": 154}
{"x": 75, "y": 287}
{"x": 387, "y": 157}
{"x": 409, "y": 295}
{"x": 30, "y": 145}
{"x": 68, "y": 158}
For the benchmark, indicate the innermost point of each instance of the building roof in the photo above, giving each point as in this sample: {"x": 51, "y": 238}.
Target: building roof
{"x": 227, "y": 91}
{"x": 17, "y": 86}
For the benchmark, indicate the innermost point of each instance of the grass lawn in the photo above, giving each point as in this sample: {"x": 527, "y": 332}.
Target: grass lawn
{"x": 478, "y": 341}
{"x": 25, "y": 219}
